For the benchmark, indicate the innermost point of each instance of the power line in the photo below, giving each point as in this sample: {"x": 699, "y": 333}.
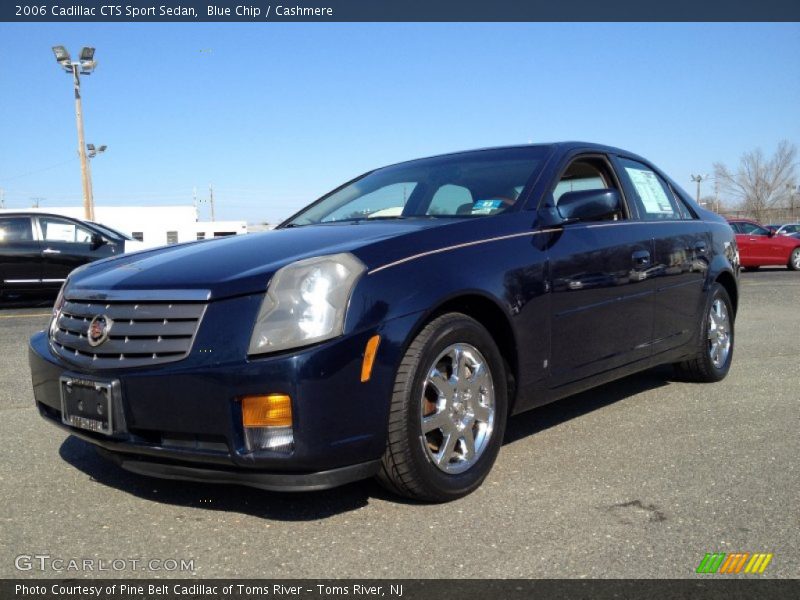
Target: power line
{"x": 42, "y": 170}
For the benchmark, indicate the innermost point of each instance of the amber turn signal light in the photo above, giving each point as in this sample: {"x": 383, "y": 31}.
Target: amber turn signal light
{"x": 272, "y": 410}
{"x": 369, "y": 357}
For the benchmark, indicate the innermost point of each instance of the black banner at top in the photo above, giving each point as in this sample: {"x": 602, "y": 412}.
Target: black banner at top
{"x": 396, "y": 10}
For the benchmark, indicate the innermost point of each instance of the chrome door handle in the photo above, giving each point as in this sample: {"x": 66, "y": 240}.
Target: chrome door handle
{"x": 50, "y": 251}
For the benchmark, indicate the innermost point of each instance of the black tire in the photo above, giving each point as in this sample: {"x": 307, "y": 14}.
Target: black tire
{"x": 701, "y": 367}
{"x": 794, "y": 260}
{"x": 406, "y": 467}
{"x": 756, "y": 268}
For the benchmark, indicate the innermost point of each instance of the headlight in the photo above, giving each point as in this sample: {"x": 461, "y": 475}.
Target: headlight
{"x": 59, "y": 304}
{"x": 305, "y": 303}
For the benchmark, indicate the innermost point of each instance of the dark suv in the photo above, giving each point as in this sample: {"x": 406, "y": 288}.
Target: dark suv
{"x": 39, "y": 250}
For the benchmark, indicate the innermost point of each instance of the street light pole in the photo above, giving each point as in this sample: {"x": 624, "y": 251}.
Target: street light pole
{"x": 84, "y": 66}
{"x": 698, "y": 179}
{"x": 86, "y": 179}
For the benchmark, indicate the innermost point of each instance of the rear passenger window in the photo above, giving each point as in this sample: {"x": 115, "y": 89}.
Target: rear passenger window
{"x": 15, "y": 229}
{"x": 653, "y": 196}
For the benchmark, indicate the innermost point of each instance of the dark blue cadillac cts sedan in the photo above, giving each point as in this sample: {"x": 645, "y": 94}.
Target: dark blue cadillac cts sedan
{"x": 390, "y": 328}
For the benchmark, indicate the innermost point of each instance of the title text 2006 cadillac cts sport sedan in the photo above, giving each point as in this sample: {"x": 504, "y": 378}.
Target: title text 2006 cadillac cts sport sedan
{"x": 391, "y": 327}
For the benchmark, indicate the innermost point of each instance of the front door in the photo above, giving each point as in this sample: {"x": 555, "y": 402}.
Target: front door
{"x": 602, "y": 297}
{"x": 66, "y": 245}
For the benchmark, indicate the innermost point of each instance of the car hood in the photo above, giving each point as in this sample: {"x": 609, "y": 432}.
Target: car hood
{"x": 230, "y": 266}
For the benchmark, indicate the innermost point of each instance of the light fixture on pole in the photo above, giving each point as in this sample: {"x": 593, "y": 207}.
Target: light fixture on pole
{"x": 93, "y": 151}
{"x": 699, "y": 179}
{"x": 84, "y": 66}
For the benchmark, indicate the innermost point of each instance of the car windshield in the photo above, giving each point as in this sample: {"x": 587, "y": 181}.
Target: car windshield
{"x": 471, "y": 184}
{"x": 111, "y": 232}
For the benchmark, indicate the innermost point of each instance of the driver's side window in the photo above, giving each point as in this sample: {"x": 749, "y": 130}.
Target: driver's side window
{"x": 751, "y": 229}
{"x": 586, "y": 174}
{"x": 61, "y": 230}
{"x": 582, "y": 174}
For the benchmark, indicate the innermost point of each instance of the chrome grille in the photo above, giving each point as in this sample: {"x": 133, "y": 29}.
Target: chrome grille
{"x": 142, "y": 334}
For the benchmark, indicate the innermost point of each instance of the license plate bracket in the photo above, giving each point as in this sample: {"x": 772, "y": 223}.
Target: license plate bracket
{"x": 88, "y": 404}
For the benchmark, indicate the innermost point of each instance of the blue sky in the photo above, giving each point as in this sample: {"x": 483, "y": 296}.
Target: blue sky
{"x": 274, "y": 115}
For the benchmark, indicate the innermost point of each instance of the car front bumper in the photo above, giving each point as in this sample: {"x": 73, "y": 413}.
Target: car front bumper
{"x": 183, "y": 420}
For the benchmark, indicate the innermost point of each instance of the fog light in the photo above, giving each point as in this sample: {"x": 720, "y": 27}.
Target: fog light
{"x": 267, "y": 422}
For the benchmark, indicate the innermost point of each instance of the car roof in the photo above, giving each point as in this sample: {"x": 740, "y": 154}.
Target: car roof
{"x": 35, "y": 213}
{"x": 563, "y": 147}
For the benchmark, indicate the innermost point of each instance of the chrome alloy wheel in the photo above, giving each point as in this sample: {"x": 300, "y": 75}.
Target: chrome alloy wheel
{"x": 719, "y": 333}
{"x": 796, "y": 259}
{"x": 458, "y": 408}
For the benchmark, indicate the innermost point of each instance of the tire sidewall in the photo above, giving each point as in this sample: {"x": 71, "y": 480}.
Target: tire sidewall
{"x": 792, "y": 258}
{"x": 459, "y": 330}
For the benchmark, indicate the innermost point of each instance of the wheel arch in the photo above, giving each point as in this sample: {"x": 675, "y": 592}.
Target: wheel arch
{"x": 489, "y": 313}
{"x": 728, "y": 281}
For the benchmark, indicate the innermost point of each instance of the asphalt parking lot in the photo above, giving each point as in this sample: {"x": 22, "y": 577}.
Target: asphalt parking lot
{"x": 639, "y": 478}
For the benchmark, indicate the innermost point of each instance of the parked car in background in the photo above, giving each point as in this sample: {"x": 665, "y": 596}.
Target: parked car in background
{"x": 759, "y": 246}
{"x": 38, "y": 250}
{"x": 390, "y": 328}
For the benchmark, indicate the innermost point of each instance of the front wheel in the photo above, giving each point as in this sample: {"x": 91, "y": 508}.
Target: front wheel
{"x": 715, "y": 342}
{"x": 448, "y": 412}
{"x": 794, "y": 260}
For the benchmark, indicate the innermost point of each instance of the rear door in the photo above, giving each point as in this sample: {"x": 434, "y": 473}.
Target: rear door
{"x": 20, "y": 254}
{"x": 602, "y": 303}
{"x": 682, "y": 244}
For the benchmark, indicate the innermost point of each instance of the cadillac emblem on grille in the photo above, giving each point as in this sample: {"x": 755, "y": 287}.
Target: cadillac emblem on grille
{"x": 99, "y": 328}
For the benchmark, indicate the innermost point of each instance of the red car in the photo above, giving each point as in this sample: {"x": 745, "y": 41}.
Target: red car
{"x": 758, "y": 246}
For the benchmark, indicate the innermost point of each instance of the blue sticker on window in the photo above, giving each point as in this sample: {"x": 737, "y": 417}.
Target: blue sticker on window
{"x": 486, "y": 206}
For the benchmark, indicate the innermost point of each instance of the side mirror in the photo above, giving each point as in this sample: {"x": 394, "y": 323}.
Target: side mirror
{"x": 588, "y": 205}
{"x": 97, "y": 241}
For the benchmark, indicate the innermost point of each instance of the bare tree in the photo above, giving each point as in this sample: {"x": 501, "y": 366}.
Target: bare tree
{"x": 759, "y": 183}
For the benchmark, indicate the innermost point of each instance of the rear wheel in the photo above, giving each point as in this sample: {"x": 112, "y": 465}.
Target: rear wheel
{"x": 794, "y": 260}
{"x": 755, "y": 268}
{"x": 448, "y": 412}
{"x": 715, "y": 344}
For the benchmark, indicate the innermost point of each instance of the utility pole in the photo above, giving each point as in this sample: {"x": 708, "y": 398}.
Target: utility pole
{"x": 2, "y": 198}
{"x": 698, "y": 179}
{"x": 84, "y": 66}
{"x": 211, "y": 200}
{"x": 35, "y": 201}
